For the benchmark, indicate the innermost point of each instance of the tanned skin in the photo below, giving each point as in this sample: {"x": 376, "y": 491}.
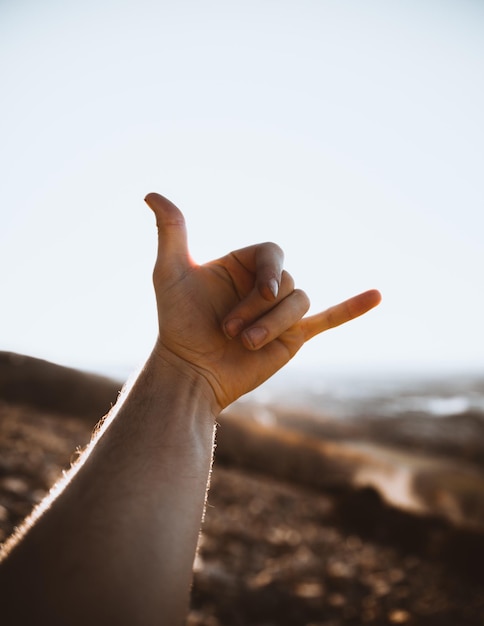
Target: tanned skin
{"x": 114, "y": 543}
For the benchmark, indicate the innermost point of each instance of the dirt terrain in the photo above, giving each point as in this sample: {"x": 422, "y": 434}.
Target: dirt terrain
{"x": 277, "y": 549}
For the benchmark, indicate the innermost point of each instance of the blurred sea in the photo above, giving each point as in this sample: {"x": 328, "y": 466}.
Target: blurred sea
{"x": 377, "y": 394}
{"x": 438, "y": 414}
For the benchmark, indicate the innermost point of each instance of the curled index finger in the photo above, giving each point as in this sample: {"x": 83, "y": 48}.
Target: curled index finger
{"x": 269, "y": 259}
{"x": 265, "y": 261}
{"x": 340, "y": 313}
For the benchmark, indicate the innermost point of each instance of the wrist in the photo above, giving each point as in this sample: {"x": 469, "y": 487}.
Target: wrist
{"x": 166, "y": 406}
{"x": 168, "y": 370}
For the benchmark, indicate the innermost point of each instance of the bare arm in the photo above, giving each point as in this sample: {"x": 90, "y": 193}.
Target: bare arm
{"x": 116, "y": 544}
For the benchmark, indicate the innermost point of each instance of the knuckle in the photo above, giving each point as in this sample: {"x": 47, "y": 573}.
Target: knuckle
{"x": 287, "y": 281}
{"x": 273, "y": 247}
{"x": 303, "y": 298}
{"x": 270, "y": 253}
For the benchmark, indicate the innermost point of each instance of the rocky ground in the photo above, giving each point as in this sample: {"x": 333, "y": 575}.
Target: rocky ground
{"x": 274, "y": 552}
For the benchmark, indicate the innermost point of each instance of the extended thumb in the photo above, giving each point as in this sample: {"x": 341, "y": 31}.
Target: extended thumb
{"x": 172, "y": 231}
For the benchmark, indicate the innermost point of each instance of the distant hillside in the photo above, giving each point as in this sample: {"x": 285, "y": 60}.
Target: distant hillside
{"x": 295, "y": 448}
{"x": 45, "y": 385}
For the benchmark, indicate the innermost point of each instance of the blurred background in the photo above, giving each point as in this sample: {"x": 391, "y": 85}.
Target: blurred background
{"x": 350, "y": 133}
{"x": 349, "y": 489}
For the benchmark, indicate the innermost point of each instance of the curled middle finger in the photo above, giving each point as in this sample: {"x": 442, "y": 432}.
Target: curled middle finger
{"x": 254, "y": 306}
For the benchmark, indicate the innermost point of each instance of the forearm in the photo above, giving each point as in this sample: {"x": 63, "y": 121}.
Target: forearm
{"x": 117, "y": 545}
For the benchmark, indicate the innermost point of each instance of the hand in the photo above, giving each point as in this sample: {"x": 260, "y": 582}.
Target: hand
{"x": 235, "y": 321}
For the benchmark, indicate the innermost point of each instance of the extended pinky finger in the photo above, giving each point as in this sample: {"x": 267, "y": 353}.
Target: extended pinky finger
{"x": 340, "y": 313}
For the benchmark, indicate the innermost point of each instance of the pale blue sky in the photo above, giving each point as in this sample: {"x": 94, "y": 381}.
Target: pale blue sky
{"x": 351, "y": 133}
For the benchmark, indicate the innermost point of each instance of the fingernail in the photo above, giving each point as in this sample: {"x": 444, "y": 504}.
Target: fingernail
{"x": 233, "y": 327}
{"x": 255, "y": 336}
{"x": 274, "y": 287}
